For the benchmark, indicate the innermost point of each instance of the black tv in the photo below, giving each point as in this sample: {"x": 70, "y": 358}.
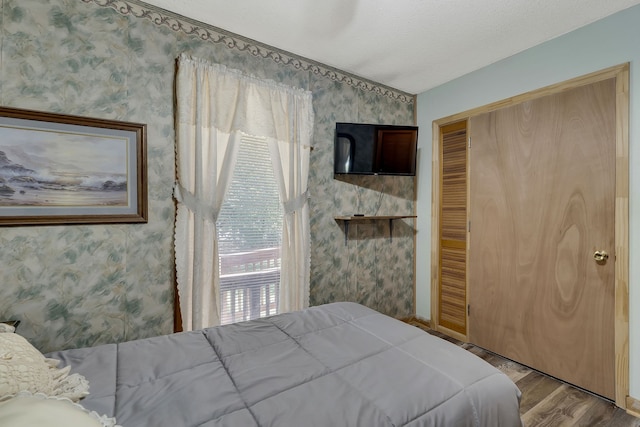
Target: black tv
{"x": 374, "y": 149}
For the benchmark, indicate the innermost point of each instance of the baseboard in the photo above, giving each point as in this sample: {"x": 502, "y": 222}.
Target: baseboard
{"x": 633, "y": 406}
{"x": 452, "y": 334}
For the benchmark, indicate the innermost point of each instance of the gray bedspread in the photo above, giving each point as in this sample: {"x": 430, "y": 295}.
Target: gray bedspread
{"x": 340, "y": 364}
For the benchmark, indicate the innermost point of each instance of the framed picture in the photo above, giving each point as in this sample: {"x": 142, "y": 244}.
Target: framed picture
{"x": 62, "y": 169}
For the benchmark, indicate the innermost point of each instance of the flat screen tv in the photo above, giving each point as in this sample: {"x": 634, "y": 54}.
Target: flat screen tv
{"x": 373, "y": 149}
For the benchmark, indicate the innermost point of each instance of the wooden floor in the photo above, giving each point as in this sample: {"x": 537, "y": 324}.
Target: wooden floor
{"x": 549, "y": 402}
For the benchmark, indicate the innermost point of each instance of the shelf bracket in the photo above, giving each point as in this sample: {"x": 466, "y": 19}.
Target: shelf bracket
{"x": 347, "y": 219}
{"x": 346, "y": 232}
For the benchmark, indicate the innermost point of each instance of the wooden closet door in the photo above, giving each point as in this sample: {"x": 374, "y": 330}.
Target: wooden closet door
{"x": 542, "y": 186}
{"x": 452, "y": 291}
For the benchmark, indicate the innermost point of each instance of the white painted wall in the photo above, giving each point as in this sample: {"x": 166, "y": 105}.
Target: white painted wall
{"x": 605, "y": 43}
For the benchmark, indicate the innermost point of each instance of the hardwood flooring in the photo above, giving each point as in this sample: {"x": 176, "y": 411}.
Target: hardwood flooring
{"x": 547, "y": 402}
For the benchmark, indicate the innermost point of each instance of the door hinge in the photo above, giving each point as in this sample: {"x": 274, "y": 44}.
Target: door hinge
{"x": 469, "y": 227}
{"x": 469, "y": 142}
{"x": 468, "y": 309}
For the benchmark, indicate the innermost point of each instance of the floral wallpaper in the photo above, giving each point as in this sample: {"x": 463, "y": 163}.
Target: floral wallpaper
{"x": 83, "y": 285}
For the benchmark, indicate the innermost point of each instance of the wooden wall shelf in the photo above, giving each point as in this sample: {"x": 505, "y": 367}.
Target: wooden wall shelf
{"x": 348, "y": 218}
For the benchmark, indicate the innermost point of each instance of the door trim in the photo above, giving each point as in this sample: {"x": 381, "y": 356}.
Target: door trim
{"x": 621, "y": 321}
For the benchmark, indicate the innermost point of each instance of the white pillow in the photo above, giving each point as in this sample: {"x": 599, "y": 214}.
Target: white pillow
{"x": 36, "y": 410}
{"x": 24, "y": 368}
{"x": 6, "y": 328}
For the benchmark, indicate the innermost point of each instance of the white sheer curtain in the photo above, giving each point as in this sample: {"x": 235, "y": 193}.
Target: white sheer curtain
{"x": 290, "y": 162}
{"x": 215, "y": 107}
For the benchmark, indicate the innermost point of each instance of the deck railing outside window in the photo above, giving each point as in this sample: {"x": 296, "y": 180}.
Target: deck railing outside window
{"x": 249, "y": 284}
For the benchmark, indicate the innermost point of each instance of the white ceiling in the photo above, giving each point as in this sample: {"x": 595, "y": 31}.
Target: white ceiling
{"x": 411, "y": 45}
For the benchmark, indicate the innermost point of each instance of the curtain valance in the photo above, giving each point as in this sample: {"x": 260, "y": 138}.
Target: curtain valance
{"x": 253, "y": 106}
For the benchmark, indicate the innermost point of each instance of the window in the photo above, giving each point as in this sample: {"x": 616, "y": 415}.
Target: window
{"x": 249, "y": 237}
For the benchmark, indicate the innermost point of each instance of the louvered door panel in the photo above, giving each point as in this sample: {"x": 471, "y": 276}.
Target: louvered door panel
{"x": 453, "y": 229}
{"x": 453, "y": 291}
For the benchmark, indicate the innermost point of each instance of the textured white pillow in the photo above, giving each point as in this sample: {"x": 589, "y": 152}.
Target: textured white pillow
{"x": 6, "y": 328}
{"x": 35, "y": 410}
{"x": 24, "y": 368}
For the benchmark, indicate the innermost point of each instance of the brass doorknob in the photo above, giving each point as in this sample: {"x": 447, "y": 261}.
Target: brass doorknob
{"x": 600, "y": 256}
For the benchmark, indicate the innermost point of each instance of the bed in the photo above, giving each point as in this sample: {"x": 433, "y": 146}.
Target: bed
{"x": 339, "y": 364}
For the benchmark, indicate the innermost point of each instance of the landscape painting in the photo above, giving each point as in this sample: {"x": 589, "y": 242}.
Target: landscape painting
{"x": 67, "y": 169}
{"x": 45, "y": 168}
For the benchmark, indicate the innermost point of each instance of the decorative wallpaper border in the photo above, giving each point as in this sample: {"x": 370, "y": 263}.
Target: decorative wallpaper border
{"x": 213, "y": 34}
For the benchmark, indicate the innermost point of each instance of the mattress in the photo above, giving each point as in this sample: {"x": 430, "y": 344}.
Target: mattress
{"x": 339, "y": 364}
